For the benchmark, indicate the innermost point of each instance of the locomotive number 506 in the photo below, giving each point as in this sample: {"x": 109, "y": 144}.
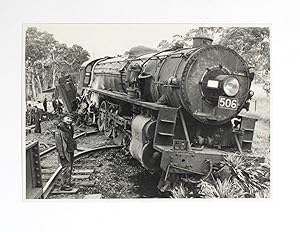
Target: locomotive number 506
{"x": 227, "y": 103}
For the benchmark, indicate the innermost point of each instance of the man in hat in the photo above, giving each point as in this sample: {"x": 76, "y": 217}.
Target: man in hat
{"x": 45, "y": 104}
{"x": 54, "y": 105}
{"x": 29, "y": 115}
{"x": 59, "y": 106}
{"x": 37, "y": 119}
{"x": 66, "y": 145}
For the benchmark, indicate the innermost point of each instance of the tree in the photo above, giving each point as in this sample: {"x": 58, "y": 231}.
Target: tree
{"x": 37, "y": 46}
{"x": 77, "y": 55}
{"x": 186, "y": 40}
{"x": 46, "y": 59}
{"x": 164, "y": 44}
{"x": 65, "y": 60}
{"x": 139, "y": 50}
{"x": 252, "y": 43}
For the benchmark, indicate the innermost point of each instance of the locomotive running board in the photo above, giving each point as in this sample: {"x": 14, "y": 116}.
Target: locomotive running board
{"x": 124, "y": 97}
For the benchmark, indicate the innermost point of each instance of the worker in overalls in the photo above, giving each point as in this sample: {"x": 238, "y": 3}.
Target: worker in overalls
{"x": 66, "y": 145}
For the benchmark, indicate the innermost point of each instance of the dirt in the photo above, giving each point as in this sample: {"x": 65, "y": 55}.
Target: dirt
{"x": 115, "y": 172}
{"x": 116, "y": 175}
{"x": 121, "y": 176}
{"x": 46, "y": 138}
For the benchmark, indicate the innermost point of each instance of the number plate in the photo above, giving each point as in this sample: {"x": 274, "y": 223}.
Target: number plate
{"x": 228, "y": 103}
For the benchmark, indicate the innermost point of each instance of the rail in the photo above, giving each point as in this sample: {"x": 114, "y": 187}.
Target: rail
{"x": 51, "y": 182}
{"x": 44, "y": 153}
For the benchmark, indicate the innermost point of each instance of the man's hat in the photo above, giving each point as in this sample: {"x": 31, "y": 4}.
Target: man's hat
{"x": 66, "y": 115}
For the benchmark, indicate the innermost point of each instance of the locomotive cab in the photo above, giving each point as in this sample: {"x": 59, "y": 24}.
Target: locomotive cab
{"x": 85, "y": 73}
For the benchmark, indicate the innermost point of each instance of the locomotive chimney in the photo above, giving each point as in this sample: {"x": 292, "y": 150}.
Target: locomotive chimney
{"x": 200, "y": 41}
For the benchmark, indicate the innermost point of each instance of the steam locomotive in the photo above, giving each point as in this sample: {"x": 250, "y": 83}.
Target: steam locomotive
{"x": 177, "y": 109}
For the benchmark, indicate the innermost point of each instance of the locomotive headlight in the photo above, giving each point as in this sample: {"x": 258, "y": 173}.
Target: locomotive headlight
{"x": 231, "y": 86}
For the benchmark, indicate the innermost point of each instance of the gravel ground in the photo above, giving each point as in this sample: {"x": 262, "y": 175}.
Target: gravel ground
{"x": 115, "y": 173}
{"x": 46, "y": 137}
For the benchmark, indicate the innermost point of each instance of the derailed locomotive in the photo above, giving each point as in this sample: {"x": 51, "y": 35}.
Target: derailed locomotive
{"x": 178, "y": 108}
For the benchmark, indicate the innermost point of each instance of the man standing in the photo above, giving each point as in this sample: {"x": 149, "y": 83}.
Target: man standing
{"x": 54, "y": 104}
{"x": 37, "y": 119}
{"x": 66, "y": 145}
{"x": 59, "y": 107}
{"x": 29, "y": 115}
{"x": 45, "y": 104}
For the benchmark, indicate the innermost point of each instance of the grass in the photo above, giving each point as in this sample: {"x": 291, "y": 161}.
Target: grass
{"x": 260, "y": 109}
{"x": 246, "y": 180}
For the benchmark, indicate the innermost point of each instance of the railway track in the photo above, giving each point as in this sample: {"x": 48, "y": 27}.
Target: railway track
{"x": 50, "y": 172}
{"x": 44, "y": 153}
{"x": 81, "y": 172}
{"x": 100, "y": 170}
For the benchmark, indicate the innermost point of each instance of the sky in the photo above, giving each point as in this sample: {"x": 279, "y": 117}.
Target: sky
{"x": 113, "y": 39}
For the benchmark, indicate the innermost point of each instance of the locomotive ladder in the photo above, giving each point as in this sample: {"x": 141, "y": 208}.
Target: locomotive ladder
{"x": 165, "y": 126}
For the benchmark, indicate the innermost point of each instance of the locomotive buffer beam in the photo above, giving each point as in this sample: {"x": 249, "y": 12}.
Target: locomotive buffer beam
{"x": 196, "y": 161}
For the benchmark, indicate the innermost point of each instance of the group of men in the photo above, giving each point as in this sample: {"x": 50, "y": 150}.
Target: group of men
{"x": 56, "y": 104}
{"x": 65, "y": 142}
{"x": 34, "y": 114}
{"x": 64, "y": 137}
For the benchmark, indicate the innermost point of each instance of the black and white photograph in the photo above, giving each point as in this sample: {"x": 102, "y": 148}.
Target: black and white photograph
{"x": 149, "y": 116}
{"x": 154, "y": 110}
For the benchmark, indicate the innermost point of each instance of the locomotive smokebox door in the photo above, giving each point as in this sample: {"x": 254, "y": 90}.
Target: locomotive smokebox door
{"x": 214, "y": 90}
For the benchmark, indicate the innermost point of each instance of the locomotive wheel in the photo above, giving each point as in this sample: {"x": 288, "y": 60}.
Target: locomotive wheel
{"x": 109, "y": 123}
{"x": 102, "y": 116}
{"x": 117, "y": 135}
